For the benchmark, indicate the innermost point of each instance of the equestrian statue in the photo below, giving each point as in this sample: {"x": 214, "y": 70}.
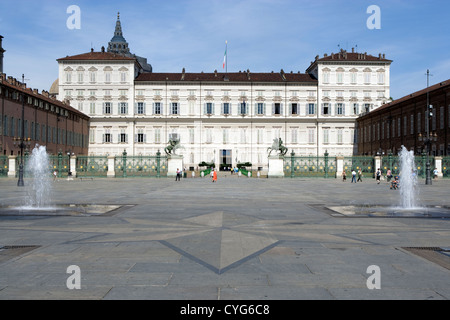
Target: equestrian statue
{"x": 277, "y": 146}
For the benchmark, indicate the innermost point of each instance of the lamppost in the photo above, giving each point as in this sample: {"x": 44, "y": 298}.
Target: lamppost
{"x": 427, "y": 141}
{"x": 22, "y": 139}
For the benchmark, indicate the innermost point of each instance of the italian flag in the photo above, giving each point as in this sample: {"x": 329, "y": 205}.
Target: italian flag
{"x": 225, "y": 55}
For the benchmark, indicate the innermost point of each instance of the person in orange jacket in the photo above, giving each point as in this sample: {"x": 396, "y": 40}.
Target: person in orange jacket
{"x": 214, "y": 179}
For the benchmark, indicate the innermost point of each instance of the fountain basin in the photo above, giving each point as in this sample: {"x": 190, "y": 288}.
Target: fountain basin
{"x": 442, "y": 212}
{"x": 60, "y": 210}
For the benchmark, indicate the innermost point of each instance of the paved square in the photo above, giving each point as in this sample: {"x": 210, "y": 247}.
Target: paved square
{"x": 239, "y": 238}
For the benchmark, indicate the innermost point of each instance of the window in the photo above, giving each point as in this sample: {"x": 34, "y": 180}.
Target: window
{"x": 260, "y": 108}
{"x": 260, "y": 137}
{"x": 340, "y": 109}
{"x": 326, "y": 109}
{"x": 123, "y": 137}
{"x": 311, "y": 108}
{"x": 294, "y": 108}
{"x": 243, "y": 108}
{"x": 243, "y": 135}
{"x": 294, "y": 135}
{"x": 175, "y": 108}
{"x": 80, "y": 76}
{"x": 209, "y": 108}
{"x": 367, "y": 76}
{"x": 380, "y": 77}
{"x": 353, "y": 77}
{"x": 208, "y": 135}
{"x": 107, "y": 136}
{"x": 191, "y": 107}
{"x": 277, "y": 108}
{"x": 157, "y": 108}
{"x": 441, "y": 118}
{"x": 326, "y": 77}
{"x": 157, "y": 135}
{"x": 226, "y": 108}
{"x": 405, "y": 125}
{"x": 326, "y": 135}
{"x": 91, "y": 135}
{"x": 225, "y": 132}
{"x": 123, "y": 107}
{"x": 355, "y": 109}
{"x": 69, "y": 77}
{"x": 340, "y": 135}
{"x": 191, "y": 135}
{"x": 140, "y": 109}
{"x": 107, "y": 108}
{"x": 92, "y": 76}
{"x": 92, "y": 108}
{"x": 339, "y": 77}
{"x": 140, "y": 136}
{"x": 107, "y": 76}
{"x": 412, "y": 124}
{"x": 311, "y": 135}
{"x": 123, "y": 76}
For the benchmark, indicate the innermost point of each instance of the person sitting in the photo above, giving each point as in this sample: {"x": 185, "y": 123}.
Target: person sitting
{"x": 395, "y": 183}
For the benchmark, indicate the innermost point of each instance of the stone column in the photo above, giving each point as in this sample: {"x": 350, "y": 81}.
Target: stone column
{"x": 111, "y": 167}
{"x": 73, "y": 166}
{"x": 174, "y": 162}
{"x": 438, "y": 165}
{"x": 12, "y": 166}
{"x": 339, "y": 166}
{"x": 276, "y": 167}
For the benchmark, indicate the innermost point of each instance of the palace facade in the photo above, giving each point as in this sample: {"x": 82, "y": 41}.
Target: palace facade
{"x": 225, "y": 118}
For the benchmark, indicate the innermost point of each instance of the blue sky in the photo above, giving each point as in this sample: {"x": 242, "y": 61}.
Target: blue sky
{"x": 262, "y": 35}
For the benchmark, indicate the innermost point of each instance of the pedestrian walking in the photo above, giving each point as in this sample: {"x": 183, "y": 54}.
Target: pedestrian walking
{"x": 178, "y": 176}
{"x": 353, "y": 176}
{"x": 214, "y": 177}
{"x": 360, "y": 175}
{"x": 344, "y": 176}
{"x": 378, "y": 176}
{"x": 388, "y": 175}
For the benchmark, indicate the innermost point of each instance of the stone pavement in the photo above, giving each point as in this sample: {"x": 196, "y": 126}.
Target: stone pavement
{"x": 240, "y": 238}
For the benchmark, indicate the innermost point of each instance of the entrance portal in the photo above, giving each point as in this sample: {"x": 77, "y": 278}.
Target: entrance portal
{"x": 225, "y": 160}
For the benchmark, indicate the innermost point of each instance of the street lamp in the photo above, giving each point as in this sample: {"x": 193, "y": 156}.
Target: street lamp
{"x": 427, "y": 142}
{"x": 22, "y": 143}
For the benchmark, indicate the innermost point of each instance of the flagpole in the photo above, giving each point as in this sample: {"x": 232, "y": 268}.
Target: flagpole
{"x": 226, "y": 57}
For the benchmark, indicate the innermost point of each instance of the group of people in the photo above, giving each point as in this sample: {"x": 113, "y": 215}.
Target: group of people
{"x": 360, "y": 175}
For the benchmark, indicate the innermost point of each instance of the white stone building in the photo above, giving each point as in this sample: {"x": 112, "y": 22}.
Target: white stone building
{"x": 223, "y": 117}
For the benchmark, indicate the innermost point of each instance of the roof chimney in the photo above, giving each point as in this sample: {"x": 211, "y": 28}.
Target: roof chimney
{"x": 1, "y": 55}
{"x": 103, "y": 49}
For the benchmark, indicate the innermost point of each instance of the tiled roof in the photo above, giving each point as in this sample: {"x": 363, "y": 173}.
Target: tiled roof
{"x": 230, "y": 77}
{"x": 92, "y": 55}
{"x": 352, "y": 56}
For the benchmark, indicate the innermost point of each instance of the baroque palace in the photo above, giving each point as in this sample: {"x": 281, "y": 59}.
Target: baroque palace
{"x": 221, "y": 117}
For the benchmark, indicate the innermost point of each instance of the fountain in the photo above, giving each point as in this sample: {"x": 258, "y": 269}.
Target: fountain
{"x": 408, "y": 180}
{"x": 39, "y": 188}
{"x": 40, "y": 185}
{"x": 408, "y": 201}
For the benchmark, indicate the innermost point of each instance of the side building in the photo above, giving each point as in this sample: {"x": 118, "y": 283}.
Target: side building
{"x": 47, "y": 121}
{"x": 407, "y": 122}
